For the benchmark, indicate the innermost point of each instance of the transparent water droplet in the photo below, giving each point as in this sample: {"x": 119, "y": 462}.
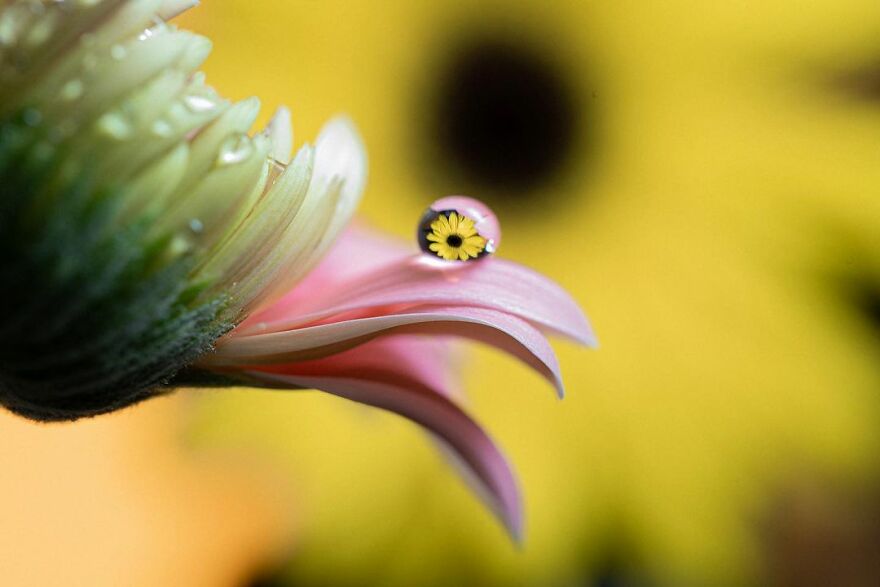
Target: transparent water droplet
{"x": 118, "y": 52}
{"x": 115, "y": 125}
{"x": 12, "y": 21}
{"x": 177, "y": 111}
{"x": 196, "y": 226}
{"x": 40, "y": 32}
{"x": 235, "y": 150}
{"x": 72, "y": 90}
{"x": 178, "y": 246}
{"x": 159, "y": 26}
{"x": 458, "y": 228}
{"x": 276, "y": 168}
{"x": 199, "y": 104}
{"x": 162, "y": 128}
{"x": 7, "y": 32}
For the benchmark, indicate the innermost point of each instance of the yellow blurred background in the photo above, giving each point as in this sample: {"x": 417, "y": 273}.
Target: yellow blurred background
{"x": 703, "y": 177}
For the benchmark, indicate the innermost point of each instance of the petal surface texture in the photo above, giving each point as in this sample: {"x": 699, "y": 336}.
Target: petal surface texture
{"x": 407, "y": 375}
{"x": 372, "y": 323}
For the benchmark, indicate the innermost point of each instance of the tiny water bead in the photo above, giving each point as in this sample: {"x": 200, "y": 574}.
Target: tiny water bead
{"x": 458, "y": 228}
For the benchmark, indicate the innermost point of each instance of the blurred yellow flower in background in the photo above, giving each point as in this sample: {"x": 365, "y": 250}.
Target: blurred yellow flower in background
{"x": 698, "y": 170}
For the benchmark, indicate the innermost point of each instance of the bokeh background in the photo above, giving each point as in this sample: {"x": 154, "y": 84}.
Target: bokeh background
{"x": 703, "y": 177}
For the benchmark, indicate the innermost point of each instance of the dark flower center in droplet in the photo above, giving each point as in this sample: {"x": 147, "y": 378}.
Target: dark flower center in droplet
{"x": 453, "y": 240}
{"x": 505, "y": 116}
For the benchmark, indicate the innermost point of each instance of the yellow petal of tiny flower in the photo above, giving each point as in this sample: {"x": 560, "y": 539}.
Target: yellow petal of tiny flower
{"x": 466, "y": 227}
{"x": 443, "y": 226}
{"x": 476, "y": 241}
{"x": 453, "y": 222}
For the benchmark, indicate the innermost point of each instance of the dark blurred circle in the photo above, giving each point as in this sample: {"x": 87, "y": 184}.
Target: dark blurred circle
{"x": 505, "y": 115}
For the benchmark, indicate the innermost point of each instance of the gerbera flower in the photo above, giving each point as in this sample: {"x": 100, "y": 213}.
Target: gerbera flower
{"x": 453, "y": 236}
{"x": 153, "y": 243}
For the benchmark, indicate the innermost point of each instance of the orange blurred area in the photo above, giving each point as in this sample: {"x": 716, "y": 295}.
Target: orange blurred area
{"x": 119, "y": 500}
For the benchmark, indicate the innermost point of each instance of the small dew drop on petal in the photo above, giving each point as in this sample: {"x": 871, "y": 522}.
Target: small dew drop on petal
{"x": 199, "y": 104}
{"x": 162, "y": 128}
{"x": 118, "y": 52}
{"x": 235, "y": 150}
{"x": 72, "y": 90}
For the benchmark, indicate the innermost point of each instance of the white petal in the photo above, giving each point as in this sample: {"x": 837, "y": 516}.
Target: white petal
{"x": 341, "y": 155}
{"x": 280, "y": 132}
{"x": 171, "y": 8}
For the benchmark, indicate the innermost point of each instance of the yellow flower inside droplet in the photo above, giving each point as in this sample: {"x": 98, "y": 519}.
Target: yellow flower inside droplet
{"x": 454, "y": 236}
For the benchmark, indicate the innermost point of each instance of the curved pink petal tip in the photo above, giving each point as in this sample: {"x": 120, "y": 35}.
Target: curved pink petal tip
{"x": 360, "y": 325}
{"x": 503, "y": 331}
{"x": 368, "y": 274}
{"x": 392, "y": 374}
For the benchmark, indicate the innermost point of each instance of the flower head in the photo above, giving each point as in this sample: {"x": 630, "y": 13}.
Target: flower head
{"x": 141, "y": 221}
{"x": 153, "y": 243}
{"x": 453, "y": 236}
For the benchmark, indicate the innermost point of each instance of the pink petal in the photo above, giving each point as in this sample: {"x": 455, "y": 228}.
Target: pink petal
{"x": 504, "y": 331}
{"x": 382, "y": 373}
{"x": 365, "y": 275}
{"x": 427, "y": 361}
{"x": 357, "y": 252}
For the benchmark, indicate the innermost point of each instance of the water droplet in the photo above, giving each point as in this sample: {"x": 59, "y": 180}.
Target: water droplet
{"x": 72, "y": 90}
{"x": 178, "y": 246}
{"x": 177, "y": 111}
{"x": 458, "y": 228}
{"x": 13, "y": 22}
{"x": 196, "y": 226}
{"x": 118, "y": 52}
{"x": 276, "y": 168}
{"x": 199, "y": 103}
{"x": 235, "y": 150}
{"x": 41, "y": 32}
{"x": 115, "y": 125}
{"x": 32, "y": 117}
{"x": 162, "y": 128}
